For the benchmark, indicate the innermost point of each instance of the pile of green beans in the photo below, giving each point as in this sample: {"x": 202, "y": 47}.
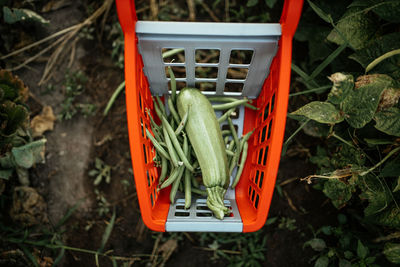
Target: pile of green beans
{"x": 179, "y": 165}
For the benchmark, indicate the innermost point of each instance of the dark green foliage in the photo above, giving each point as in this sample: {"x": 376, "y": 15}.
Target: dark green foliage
{"x": 360, "y": 163}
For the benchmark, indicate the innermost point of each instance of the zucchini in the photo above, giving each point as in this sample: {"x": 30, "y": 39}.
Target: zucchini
{"x": 204, "y": 133}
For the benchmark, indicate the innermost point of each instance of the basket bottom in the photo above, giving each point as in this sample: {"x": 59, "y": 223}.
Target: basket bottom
{"x": 198, "y": 218}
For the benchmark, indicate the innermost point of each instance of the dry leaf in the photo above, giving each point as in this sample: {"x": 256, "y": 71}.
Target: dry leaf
{"x": 43, "y": 122}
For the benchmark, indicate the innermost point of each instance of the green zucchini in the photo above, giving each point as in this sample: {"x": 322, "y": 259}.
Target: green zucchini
{"x": 204, "y": 133}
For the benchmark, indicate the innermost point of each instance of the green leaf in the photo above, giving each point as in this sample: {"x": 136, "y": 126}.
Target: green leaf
{"x": 339, "y": 192}
{"x": 376, "y": 142}
{"x": 270, "y": 3}
{"x": 391, "y": 169}
{"x": 322, "y": 112}
{"x": 358, "y": 28}
{"x": 322, "y": 261}
{"x": 392, "y": 252}
{"x": 251, "y": 3}
{"x": 362, "y": 251}
{"x": 342, "y": 86}
{"x": 397, "y": 188}
{"x": 378, "y": 47}
{"x": 6, "y": 161}
{"x": 21, "y": 14}
{"x": 107, "y": 233}
{"x": 6, "y": 174}
{"x": 344, "y": 263}
{"x": 29, "y": 154}
{"x": 326, "y": 17}
{"x": 388, "y": 121}
{"x": 13, "y": 116}
{"x": 390, "y": 217}
{"x": 362, "y": 102}
{"x": 316, "y": 244}
{"x": 388, "y": 10}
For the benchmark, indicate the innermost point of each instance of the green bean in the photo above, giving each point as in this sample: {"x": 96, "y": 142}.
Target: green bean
{"x": 225, "y": 132}
{"x": 230, "y": 104}
{"x": 195, "y": 183}
{"x": 176, "y": 183}
{"x": 199, "y": 192}
{"x": 233, "y": 130}
{"x": 172, "y": 110}
{"x": 176, "y": 144}
{"x": 231, "y": 145}
{"x": 226, "y": 115}
{"x": 173, "y": 84}
{"x": 188, "y": 189}
{"x": 164, "y": 169}
{"x": 157, "y": 145}
{"x": 152, "y": 122}
{"x": 241, "y": 166}
{"x": 171, "y": 150}
{"x": 231, "y": 99}
{"x": 245, "y": 138}
{"x": 187, "y": 175}
{"x": 172, "y": 177}
{"x": 226, "y": 140}
{"x": 157, "y": 109}
{"x": 182, "y": 124}
{"x": 229, "y": 152}
{"x": 161, "y": 105}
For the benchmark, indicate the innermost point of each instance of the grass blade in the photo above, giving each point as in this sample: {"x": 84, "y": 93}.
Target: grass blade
{"x": 29, "y": 255}
{"x": 287, "y": 142}
{"x": 107, "y": 233}
{"x": 305, "y": 77}
{"x": 326, "y": 17}
{"x": 328, "y": 60}
{"x": 113, "y": 98}
{"x": 60, "y": 255}
{"x": 68, "y": 214}
{"x": 314, "y": 90}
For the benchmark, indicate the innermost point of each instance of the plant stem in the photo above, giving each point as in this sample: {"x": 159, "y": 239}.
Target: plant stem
{"x": 380, "y": 59}
{"x": 293, "y": 135}
{"x": 113, "y": 97}
{"x": 342, "y": 140}
{"x": 391, "y": 153}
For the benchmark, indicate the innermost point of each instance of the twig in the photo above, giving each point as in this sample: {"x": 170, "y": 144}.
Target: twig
{"x": 227, "y": 11}
{"x": 48, "y": 38}
{"x": 222, "y": 250}
{"x": 154, "y": 9}
{"x": 394, "y": 151}
{"x": 208, "y": 10}
{"x": 29, "y": 60}
{"x": 290, "y": 202}
{"x": 192, "y": 11}
{"x": 288, "y": 181}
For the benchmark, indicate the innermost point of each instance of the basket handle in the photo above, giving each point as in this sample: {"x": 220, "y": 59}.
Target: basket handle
{"x": 127, "y": 15}
{"x": 290, "y": 16}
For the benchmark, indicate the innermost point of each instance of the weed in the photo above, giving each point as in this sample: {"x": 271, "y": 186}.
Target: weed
{"x": 102, "y": 172}
{"x": 287, "y": 223}
{"x": 339, "y": 246}
{"x": 74, "y": 86}
{"x": 102, "y": 203}
{"x": 237, "y": 249}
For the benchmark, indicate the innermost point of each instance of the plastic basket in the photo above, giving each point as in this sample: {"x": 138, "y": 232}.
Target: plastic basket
{"x": 267, "y": 82}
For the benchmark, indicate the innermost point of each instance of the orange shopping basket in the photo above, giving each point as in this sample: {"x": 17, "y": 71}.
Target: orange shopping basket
{"x": 267, "y": 82}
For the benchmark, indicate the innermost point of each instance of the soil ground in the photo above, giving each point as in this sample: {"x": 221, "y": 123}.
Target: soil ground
{"x": 74, "y": 144}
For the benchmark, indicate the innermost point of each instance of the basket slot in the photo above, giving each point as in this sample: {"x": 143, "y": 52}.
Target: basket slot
{"x": 260, "y": 41}
{"x": 199, "y": 218}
